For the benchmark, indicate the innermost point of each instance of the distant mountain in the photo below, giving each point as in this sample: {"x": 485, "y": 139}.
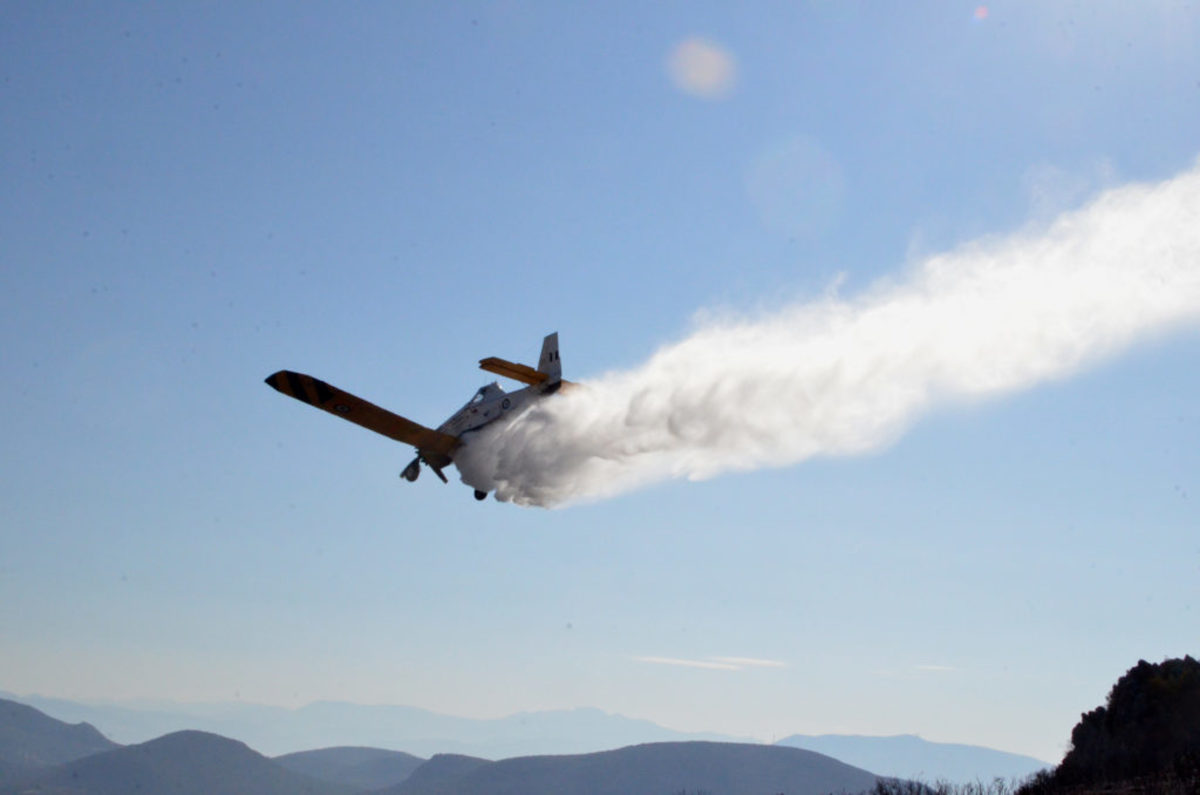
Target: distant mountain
{"x": 365, "y": 768}
{"x": 276, "y": 730}
{"x": 908, "y": 756}
{"x": 184, "y": 763}
{"x": 440, "y": 772}
{"x": 653, "y": 769}
{"x": 30, "y": 740}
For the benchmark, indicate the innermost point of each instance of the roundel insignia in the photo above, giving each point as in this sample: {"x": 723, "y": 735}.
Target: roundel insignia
{"x": 505, "y": 403}
{"x": 342, "y": 408}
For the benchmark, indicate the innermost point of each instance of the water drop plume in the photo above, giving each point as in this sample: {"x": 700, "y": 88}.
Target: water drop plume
{"x": 846, "y": 375}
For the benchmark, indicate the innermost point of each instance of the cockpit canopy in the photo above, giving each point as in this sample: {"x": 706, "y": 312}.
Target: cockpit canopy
{"x": 490, "y": 392}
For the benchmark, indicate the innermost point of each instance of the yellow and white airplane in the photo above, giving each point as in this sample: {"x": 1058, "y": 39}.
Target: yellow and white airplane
{"x": 435, "y": 448}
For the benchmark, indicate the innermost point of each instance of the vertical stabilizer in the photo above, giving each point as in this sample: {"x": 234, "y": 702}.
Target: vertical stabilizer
{"x": 548, "y": 363}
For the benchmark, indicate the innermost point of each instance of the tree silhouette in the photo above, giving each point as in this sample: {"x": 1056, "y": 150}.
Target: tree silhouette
{"x": 1148, "y": 728}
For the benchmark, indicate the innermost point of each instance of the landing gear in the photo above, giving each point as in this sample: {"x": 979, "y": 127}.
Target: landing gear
{"x": 411, "y": 471}
{"x": 480, "y": 495}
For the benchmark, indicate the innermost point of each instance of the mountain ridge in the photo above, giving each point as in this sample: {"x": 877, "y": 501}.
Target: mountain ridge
{"x": 30, "y": 740}
{"x": 278, "y": 731}
{"x": 181, "y": 763}
{"x": 645, "y": 769}
{"x": 366, "y": 768}
{"x": 908, "y": 756}
{"x": 321, "y": 725}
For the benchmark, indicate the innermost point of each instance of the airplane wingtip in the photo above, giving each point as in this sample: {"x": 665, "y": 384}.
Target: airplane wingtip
{"x": 275, "y": 379}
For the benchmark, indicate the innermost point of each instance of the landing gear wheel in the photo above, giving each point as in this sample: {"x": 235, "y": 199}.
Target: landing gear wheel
{"x": 480, "y": 495}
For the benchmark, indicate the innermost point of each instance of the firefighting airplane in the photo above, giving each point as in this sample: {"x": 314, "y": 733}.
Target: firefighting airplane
{"x": 435, "y": 449}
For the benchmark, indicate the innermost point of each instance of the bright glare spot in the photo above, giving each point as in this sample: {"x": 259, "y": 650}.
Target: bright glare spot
{"x": 702, "y": 68}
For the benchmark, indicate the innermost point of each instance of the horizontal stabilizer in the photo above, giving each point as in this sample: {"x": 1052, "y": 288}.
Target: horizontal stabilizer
{"x": 316, "y": 392}
{"x": 517, "y": 372}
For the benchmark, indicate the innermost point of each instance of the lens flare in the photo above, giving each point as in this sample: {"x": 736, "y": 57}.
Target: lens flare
{"x": 702, "y": 68}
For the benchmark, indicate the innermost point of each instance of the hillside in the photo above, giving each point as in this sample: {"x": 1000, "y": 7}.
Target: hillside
{"x": 653, "y": 769}
{"x": 910, "y": 757}
{"x": 1144, "y": 738}
{"x": 184, "y": 763}
{"x": 30, "y": 740}
{"x": 440, "y": 773}
{"x": 365, "y": 768}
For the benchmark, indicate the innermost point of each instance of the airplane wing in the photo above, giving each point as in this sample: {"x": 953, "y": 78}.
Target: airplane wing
{"x": 517, "y": 372}
{"x": 316, "y": 392}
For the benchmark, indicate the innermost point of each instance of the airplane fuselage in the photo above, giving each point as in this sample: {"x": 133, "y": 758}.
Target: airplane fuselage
{"x": 489, "y": 404}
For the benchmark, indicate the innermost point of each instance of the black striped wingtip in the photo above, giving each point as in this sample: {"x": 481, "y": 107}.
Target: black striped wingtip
{"x": 287, "y": 382}
{"x": 305, "y": 388}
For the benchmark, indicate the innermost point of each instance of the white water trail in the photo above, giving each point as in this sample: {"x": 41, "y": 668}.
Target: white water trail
{"x": 840, "y": 376}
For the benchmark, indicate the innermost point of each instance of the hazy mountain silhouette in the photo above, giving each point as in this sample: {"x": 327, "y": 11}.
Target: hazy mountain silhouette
{"x": 183, "y": 763}
{"x": 652, "y": 769}
{"x": 365, "y": 768}
{"x": 909, "y": 757}
{"x": 277, "y": 730}
{"x": 440, "y": 772}
{"x": 30, "y": 740}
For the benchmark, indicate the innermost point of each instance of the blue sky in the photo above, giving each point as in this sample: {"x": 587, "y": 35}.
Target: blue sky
{"x": 193, "y": 196}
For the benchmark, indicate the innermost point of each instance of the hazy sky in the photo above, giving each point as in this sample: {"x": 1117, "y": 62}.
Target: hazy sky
{"x": 193, "y": 196}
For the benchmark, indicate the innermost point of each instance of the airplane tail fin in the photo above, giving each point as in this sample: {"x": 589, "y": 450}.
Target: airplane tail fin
{"x": 548, "y": 362}
{"x": 548, "y": 373}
